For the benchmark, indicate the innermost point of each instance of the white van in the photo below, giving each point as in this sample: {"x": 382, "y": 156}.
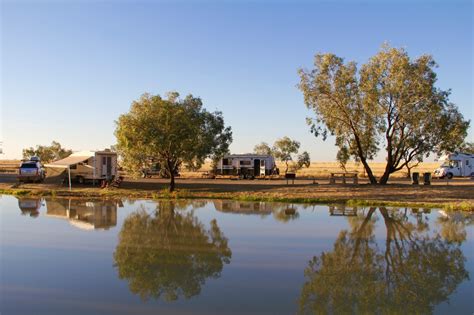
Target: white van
{"x": 455, "y": 164}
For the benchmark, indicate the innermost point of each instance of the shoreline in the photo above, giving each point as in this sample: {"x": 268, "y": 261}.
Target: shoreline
{"x": 350, "y": 195}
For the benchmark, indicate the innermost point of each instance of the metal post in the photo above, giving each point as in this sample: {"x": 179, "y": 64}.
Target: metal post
{"x": 69, "y": 176}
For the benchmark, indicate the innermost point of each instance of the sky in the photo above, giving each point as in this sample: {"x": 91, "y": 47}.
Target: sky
{"x": 70, "y": 68}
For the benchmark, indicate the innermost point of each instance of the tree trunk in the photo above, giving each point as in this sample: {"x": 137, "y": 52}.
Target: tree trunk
{"x": 172, "y": 184}
{"x": 384, "y": 178}
{"x": 371, "y": 176}
{"x": 386, "y": 174}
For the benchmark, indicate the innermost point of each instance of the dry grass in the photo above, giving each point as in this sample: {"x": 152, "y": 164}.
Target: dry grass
{"x": 316, "y": 169}
{"x": 323, "y": 169}
{"x": 9, "y": 166}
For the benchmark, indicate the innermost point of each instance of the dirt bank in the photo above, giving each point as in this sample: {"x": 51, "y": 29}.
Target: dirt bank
{"x": 459, "y": 193}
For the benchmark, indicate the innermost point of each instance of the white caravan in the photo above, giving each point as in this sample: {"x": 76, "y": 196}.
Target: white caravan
{"x": 455, "y": 164}
{"x": 246, "y": 165}
{"x": 89, "y": 165}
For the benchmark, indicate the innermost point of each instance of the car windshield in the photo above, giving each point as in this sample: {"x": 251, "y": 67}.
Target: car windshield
{"x": 28, "y": 165}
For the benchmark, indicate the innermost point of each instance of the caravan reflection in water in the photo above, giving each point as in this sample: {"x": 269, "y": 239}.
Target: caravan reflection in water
{"x": 86, "y": 215}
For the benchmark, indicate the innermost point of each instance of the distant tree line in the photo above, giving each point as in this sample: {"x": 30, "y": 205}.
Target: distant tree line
{"x": 47, "y": 153}
{"x": 286, "y": 150}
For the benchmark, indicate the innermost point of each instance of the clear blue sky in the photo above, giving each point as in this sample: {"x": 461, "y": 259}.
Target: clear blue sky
{"x": 70, "y": 68}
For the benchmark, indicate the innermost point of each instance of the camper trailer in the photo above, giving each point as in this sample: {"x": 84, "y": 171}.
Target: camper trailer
{"x": 89, "y": 165}
{"x": 455, "y": 164}
{"x": 247, "y": 165}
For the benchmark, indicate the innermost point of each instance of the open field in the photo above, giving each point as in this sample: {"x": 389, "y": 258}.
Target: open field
{"x": 323, "y": 169}
{"x": 317, "y": 169}
{"x": 9, "y": 166}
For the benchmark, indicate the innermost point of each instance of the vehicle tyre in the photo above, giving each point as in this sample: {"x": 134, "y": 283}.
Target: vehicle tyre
{"x": 449, "y": 175}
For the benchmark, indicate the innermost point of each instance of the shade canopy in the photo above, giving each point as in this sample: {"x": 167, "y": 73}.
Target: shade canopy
{"x": 70, "y": 160}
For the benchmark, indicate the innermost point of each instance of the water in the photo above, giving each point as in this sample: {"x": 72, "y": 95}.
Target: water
{"x": 224, "y": 257}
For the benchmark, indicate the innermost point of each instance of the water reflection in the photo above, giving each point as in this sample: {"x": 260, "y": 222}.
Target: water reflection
{"x": 411, "y": 273}
{"x": 282, "y": 212}
{"x": 453, "y": 225}
{"x": 86, "y": 215}
{"x": 29, "y": 206}
{"x": 169, "y": 253}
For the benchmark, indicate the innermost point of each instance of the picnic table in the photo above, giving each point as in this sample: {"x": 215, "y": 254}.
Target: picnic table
{"x": 344, "y": 176}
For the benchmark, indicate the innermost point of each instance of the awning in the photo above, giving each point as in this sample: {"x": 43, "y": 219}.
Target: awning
{"x": 70, "y": 160}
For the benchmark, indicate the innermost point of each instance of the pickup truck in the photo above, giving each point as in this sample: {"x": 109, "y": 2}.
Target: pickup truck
{"x": 31, "y": 171}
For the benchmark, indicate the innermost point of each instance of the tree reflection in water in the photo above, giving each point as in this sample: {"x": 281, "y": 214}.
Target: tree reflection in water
{"x": 169, "y": 253}
{"x": 411, "y": 274}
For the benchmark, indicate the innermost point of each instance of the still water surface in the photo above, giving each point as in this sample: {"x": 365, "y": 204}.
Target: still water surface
{"x": 224, "y": 257}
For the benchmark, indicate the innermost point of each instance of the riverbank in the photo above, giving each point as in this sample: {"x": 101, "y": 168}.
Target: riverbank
{"x": 458, "y": 195}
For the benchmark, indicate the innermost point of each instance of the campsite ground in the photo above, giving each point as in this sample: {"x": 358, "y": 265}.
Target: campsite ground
{"x": 312, "y": 185}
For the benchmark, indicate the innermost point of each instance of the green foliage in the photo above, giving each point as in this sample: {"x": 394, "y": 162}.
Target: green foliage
{"x": 47, "y": 153}
{"x": 303, "y": 160}
{"x": 169, "y": 254}
{"x": 391, "y": 102}
{"x": 413, "y": 273}
{"x": 343, "y": 157}
{"x": 170, "y": 131}
{"x": 467, "y": 147}
{"x": 263, "y": 148}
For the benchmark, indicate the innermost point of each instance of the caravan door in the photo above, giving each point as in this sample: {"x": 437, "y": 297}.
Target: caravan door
{"x": 262, "y": 167}
{"x": 107, "y": 166}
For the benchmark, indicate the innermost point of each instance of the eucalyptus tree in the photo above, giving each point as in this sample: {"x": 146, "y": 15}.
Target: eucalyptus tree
{"x": 47, "y": 153}
{"x": 391, "y": 102}
{"x": 171, "y": 131}
{"x": 262, "y": 148}
{"x": 285, "y": 150}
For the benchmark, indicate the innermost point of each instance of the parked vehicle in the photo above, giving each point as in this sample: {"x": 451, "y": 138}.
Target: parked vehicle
{"x": 31, "y": 170}
{"x": 155, "y": 169}
{"x": 247, "y": 165}
{"x": 455, "y": 164}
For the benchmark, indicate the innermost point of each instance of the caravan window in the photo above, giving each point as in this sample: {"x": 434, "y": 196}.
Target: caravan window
{"x": 245, "y": 163}
{"x": 225, "y": 161}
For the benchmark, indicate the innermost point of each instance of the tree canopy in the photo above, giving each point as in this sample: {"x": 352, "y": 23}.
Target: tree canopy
{"x": 169, "y": 254}
{"x": 171, "y": 131}
{"x": 46, "y": 153}
{"x": 391, "y": 102}
{"x": 411, "y": 274}
{"x": 262, "y": 148}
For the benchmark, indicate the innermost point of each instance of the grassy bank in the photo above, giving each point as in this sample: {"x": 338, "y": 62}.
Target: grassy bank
{"x": 268, "y": 196}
